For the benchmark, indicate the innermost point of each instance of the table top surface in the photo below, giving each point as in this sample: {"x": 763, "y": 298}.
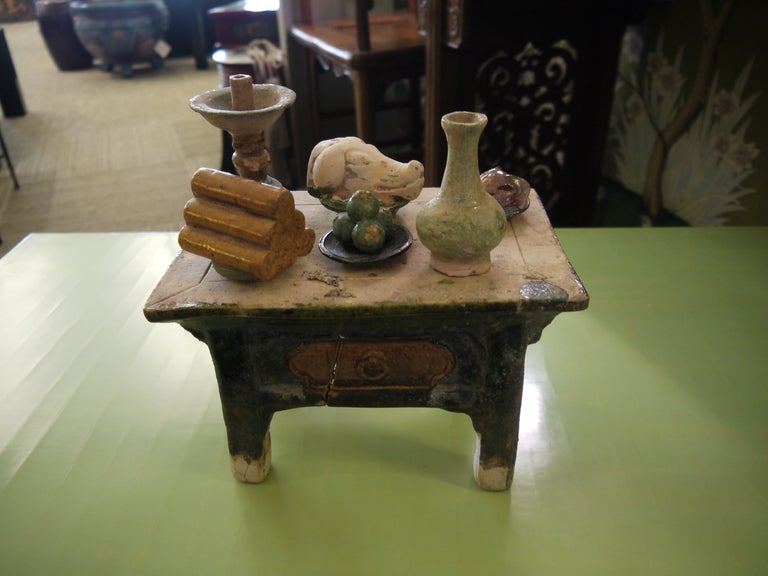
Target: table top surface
{"x": 642, "y": 445}
{"x": 529, "y": 253}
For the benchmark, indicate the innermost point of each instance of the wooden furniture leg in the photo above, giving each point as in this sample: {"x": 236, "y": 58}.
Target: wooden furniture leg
{"x": 11, "y": 99}
{"x": 313, "y": 103}
{"x": 365, "y": 118}
{"x": 197, "y": 31}
{"x": 4, "y": 154}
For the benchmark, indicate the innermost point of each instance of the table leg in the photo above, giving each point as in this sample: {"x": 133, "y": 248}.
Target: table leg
{"x": 365, "y": 109}
{"x": 197, "y": 31}
{"x": 247, "y": 417}
{"x": 11, "y": 99}
{"x": 250, "y": 447}
{"x": 497, "y": 419}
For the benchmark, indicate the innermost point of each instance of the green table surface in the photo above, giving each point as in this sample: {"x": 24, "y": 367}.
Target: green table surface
{"x": 643, "y": 447}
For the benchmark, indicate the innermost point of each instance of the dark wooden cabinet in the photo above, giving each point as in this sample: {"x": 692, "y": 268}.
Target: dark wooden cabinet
{"x": 190, "y": 32}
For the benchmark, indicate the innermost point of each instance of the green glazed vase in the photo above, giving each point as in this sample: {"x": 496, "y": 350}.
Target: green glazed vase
{"x": 463, "y": 223}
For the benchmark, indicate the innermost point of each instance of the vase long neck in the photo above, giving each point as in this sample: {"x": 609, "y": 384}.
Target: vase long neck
{"x": 462, "y": 172}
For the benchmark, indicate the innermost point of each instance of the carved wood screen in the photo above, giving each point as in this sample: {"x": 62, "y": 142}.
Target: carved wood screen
{"x": 529, "y": 97}
{"x": 543, "y": 73}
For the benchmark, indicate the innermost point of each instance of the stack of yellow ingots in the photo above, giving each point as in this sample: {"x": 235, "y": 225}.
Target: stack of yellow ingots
{"x": 243, "y": 225}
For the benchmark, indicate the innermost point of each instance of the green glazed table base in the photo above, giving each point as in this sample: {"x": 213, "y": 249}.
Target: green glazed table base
{"x": 466, "y": 363}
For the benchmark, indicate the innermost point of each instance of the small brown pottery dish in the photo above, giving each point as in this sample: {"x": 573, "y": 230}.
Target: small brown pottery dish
{"x": 510, "y": 191}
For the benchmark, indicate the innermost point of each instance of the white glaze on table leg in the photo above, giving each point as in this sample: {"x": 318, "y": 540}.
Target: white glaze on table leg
{"x": 253, "y": 471}
{"x": 497, "y": 478}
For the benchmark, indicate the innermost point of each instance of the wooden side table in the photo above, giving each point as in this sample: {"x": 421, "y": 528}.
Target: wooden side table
{"x": 395, "y": 333}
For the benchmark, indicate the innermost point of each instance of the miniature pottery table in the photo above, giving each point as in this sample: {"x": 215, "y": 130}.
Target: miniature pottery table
{"x": 393, "y": 333}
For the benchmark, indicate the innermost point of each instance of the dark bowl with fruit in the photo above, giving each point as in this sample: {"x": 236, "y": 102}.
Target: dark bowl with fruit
{"x": 365, "y": 232}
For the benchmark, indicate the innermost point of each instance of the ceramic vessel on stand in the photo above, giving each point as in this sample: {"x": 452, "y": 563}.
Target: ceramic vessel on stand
{"x": 121, "y": 33}
{"x": 246, "y": 111}
{"x": 463, "y": 223}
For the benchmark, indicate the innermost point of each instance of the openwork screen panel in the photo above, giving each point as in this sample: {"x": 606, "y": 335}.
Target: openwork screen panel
{"x": 528, "y": 96}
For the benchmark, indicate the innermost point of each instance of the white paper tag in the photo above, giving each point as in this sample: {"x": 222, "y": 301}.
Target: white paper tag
{"x": 162, "y": 49}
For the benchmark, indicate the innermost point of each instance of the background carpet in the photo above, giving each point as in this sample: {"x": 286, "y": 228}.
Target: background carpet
{"x": 99, "y": 153}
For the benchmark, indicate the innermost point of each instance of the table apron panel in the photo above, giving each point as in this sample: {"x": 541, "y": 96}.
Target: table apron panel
{"x": 448, "y": 362}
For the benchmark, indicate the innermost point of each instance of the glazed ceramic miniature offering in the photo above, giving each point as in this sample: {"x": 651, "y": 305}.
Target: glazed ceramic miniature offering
{"x": 510, "y": 191}
{"x": 390, "y": 335}
{"x": 246, "y": 110}
{"x": 339, "y": 167}
{"x": 463, "y": 223}
{"x": 249, "y": 230}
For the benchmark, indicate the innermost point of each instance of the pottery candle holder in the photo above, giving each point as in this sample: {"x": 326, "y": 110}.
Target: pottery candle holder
{"x": 245, "y": 110}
